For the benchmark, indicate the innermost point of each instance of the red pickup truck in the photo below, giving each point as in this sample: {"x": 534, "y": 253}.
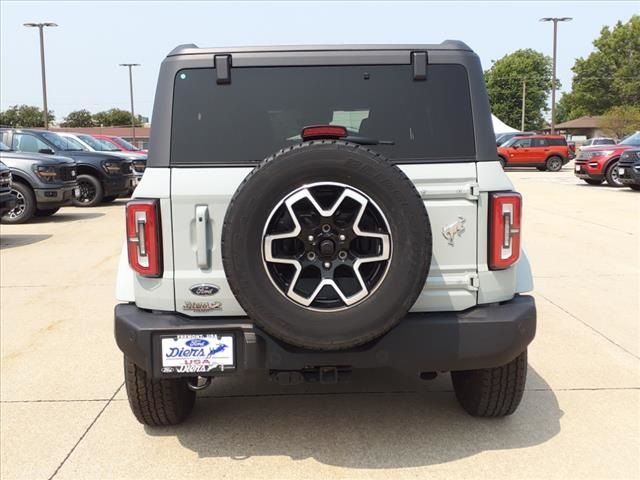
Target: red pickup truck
{"x": 598, "y": 163}
{"x": 545, "y": 152}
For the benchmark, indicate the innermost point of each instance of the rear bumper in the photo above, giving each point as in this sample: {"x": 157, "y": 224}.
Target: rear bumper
{"x": 481, "y": 337}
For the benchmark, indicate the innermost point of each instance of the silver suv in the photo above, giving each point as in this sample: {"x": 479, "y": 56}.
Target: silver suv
{"x": 308, "y": 211}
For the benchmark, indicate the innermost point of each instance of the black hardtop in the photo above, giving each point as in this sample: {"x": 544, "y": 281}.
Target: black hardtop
{"x": 192, "y": 49}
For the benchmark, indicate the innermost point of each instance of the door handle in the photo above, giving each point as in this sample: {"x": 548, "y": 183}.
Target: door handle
{"x": 202, "y": 227}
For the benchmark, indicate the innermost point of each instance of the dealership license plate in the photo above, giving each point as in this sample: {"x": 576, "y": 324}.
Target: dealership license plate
{"x": 577, "y": 168}
{"x": 197, "y": 353}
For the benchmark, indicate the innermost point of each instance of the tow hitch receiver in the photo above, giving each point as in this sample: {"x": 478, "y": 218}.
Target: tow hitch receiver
{"x": 327, "y": 375}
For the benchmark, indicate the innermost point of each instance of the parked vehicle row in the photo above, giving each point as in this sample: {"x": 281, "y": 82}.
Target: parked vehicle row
{"x": 50, "y": 170}
{"x": 598, "y": 163}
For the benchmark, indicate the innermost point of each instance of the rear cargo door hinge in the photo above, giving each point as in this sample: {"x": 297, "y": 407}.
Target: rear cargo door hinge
{"x": 222, "y": 64}
{"x": 474, "y": 281}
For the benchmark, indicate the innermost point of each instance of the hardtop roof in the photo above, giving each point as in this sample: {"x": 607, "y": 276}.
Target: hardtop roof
{"x": 192, "y": 49}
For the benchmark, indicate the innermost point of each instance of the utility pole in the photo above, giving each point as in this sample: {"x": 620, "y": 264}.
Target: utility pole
{"x": 133, "y": 115}
{"x": 555, "y": 21}
{"x": 40, "y": 27}
{"x": 524, "y": 96}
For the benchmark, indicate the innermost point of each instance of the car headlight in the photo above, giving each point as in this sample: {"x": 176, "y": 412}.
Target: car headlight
{"x": 601, "y": 153}
{"x": 111, "y": 167}
{"x": 46, "y": 173}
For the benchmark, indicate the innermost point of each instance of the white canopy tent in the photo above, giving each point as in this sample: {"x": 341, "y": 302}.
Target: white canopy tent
{"x": 500, "y": 127}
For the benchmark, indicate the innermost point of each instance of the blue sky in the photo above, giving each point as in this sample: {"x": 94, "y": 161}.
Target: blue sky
{"x": 83, "y": 53}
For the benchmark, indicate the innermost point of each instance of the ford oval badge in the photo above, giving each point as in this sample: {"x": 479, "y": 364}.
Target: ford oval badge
{"x": 197, "y": 342}
{"x": 204, "y": 289}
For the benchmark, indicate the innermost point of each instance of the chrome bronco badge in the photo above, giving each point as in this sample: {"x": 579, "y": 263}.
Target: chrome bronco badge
{"x": 450, "y": 231}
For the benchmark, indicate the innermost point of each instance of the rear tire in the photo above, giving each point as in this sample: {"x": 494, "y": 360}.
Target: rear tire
{"x": 554, "y": 164}
{"x": 91, "y": 191}
{"x": 154, "y": 402}
{"x": 492, "y": 392}
{"x": 108, "y": 199}
{"x": 25, "y": 208}
{"x": 612, "y": 175}
{"x": 593, "y": 182}
{"x": 46, "y": 212}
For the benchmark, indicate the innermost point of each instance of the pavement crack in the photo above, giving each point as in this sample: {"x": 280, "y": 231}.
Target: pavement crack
{"x": 587, "y": 325}
{"x": 84, "y": 434}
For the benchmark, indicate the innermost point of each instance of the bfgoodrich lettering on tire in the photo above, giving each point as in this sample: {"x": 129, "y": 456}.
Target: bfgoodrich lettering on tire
{"x": 326, "y": 245}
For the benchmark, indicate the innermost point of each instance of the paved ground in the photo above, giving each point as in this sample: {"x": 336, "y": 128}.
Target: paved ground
{"x": 64, "y": 413}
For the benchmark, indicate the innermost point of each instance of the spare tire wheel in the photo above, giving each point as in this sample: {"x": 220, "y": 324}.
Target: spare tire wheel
{"x": 326, "y": 245}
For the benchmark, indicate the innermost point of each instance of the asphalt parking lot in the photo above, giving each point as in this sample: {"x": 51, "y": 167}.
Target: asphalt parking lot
{"x": 64, "y": 412}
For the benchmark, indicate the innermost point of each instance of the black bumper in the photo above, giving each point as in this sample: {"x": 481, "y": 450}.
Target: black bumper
{"x": 54, "y": 197}
{"x": 481, "y": 337}
{"x": 117, "y": 185}
{"x": 628, "y": 174}
{"x": 7, "y": 202}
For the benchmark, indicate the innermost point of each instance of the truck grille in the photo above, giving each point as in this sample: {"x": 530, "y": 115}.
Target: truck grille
{"x": 629, "y": 158}
{"x": 125, "y": 168}
{"x": 68, "y": 174}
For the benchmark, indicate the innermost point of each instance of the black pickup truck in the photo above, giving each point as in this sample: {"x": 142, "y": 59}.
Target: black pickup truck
{"x": 40, "y": 184}
{"x": 102, "y": 177}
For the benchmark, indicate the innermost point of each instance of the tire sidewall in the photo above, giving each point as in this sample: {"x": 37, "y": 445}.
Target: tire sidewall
{"x": 29, "y": 205}
{"x": 270, "y": 308}
{"x": 98, "y": 187}
{"x": 550, "y": 162}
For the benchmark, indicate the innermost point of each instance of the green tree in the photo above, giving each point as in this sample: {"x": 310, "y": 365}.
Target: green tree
{"x": 610, "y": 75}
{"x": 25, "y": 116}
{"x": 78, "y": 118}
{"x": 115, "y": 117}
{"x": 504, "y": 85}
{"x": 621, "y": 121}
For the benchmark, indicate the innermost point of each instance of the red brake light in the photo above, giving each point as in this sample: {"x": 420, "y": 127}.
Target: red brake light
{"x": 143, "y": 237}
{"x": 323, "y": 131}
{"x": 505, "y": 211}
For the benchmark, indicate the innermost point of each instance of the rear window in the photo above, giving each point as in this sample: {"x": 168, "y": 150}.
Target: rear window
{"x": 557, "y": 141}
{"x": 264, "y": 109}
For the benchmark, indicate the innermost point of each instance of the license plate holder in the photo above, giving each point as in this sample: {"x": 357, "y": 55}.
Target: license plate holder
{"x": 197, "y": 353}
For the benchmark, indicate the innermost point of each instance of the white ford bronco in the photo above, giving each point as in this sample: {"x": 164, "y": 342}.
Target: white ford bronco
{"x": 308, "y": 211}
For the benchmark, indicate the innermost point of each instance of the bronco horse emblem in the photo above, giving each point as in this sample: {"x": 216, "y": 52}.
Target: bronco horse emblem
{"x": 450, "y": 231}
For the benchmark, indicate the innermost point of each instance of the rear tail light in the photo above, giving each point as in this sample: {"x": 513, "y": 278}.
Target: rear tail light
{"x": 505, "y": 211}
{"x": 323, "y": 131}
{"x": 143, "y": 237}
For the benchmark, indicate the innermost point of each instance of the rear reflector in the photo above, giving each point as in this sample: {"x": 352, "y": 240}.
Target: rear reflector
{"x": 143, "y": 237}
{"x": 323, "y": 131}
{"x": 505, "y": 210}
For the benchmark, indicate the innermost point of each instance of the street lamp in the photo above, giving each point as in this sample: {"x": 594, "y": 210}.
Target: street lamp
{"x": 44, "y": 77}
{"x": 555, "y": 21}
{"x": 133, "y": 115}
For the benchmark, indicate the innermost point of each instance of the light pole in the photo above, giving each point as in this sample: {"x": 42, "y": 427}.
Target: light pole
{"x": 555, "y": 21}
{"x": 44, "y": 76}
{"x": 133, "y": 115}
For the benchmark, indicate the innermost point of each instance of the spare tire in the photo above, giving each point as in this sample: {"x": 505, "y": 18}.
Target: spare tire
{"x": 326, "y": 245}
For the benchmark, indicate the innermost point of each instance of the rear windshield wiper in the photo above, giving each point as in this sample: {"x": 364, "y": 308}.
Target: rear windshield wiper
{"x": 367, "y": 141}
